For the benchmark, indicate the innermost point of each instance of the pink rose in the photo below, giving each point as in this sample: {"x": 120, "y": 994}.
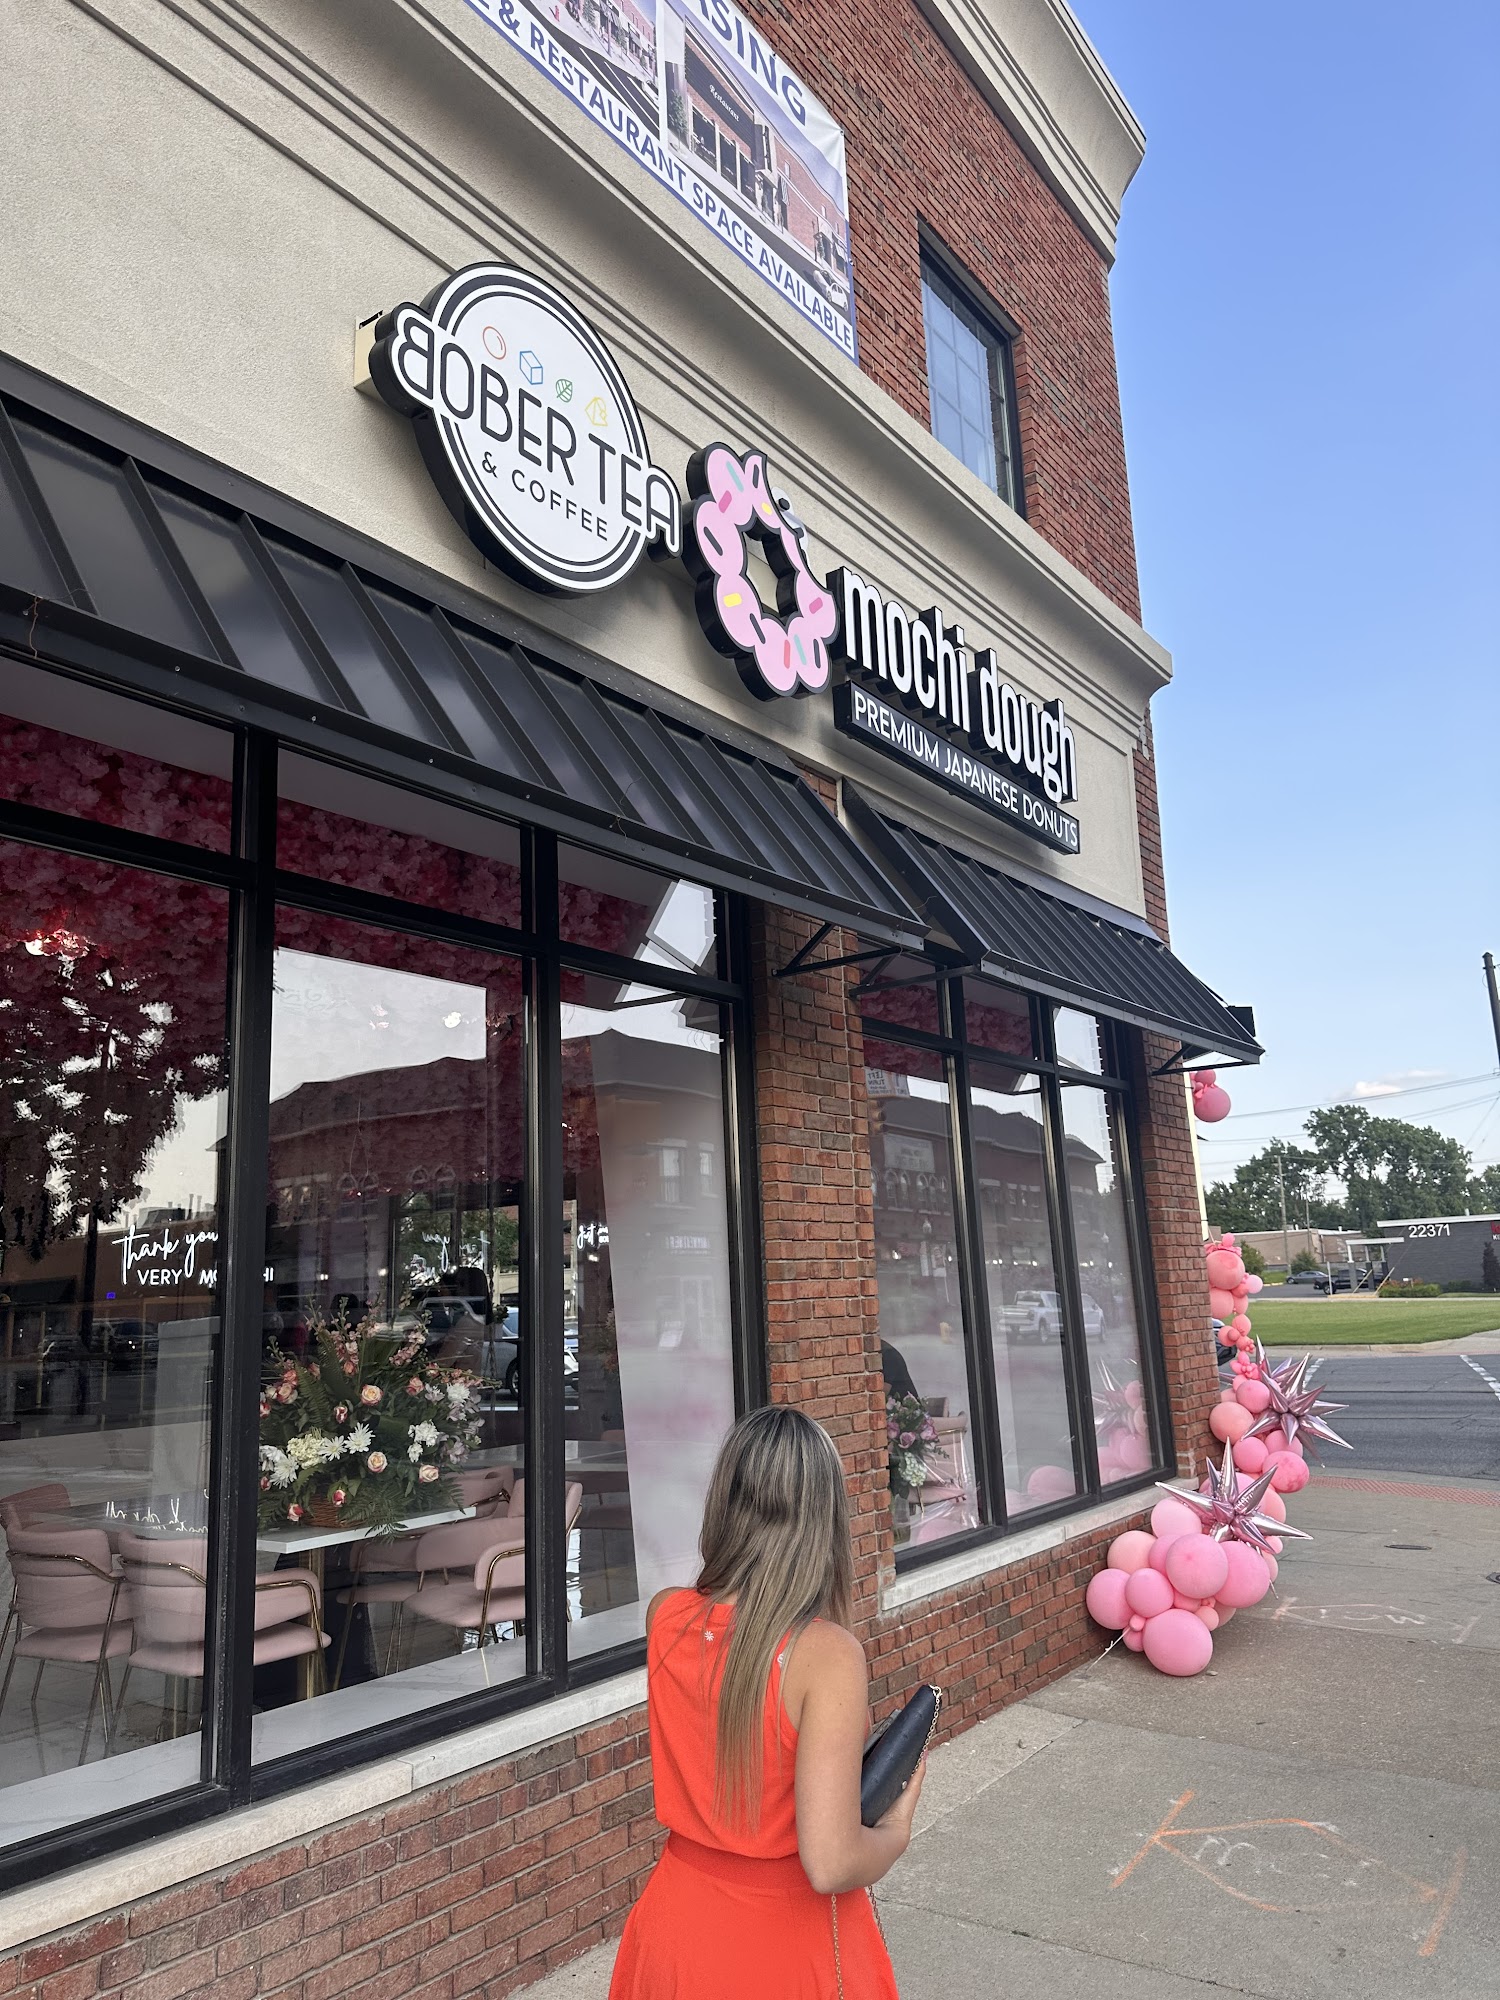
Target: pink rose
{"x": 427, "y": 1474}
{"x": 341, "y": 1413}
{"x": 377, "y": 1461}
{"x": 286, "y": 1392}
{"x": 339, "y": 1496}
{"x": 414, "y": 1387}
{"x": 349, "y": 1368}
{"x": 294, "y": 1512}
{"x": 369, "y": 1394}
{"x": 265, "y": 1407}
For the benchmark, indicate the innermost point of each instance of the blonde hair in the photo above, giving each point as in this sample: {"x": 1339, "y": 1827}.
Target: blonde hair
{"x": 776, "y": 1539}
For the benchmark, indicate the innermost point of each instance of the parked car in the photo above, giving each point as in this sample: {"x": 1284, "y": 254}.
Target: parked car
{"x": 1316, "y": 1281}
{"x": 1222, "y": 1355}
{"x": 1038, "y": 1316}
{"x": 502, "y": 1355}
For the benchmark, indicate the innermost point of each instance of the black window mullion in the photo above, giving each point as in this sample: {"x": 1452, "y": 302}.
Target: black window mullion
{"x": 542, "y": 1280}
{"x": 1065, "y": 1263}
{"x": 972, "y": 1290}
{"x": 234, "y": 1490}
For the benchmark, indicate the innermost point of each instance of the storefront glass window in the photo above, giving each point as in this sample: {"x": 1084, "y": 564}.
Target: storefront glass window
{"x": 1096, "y": 1195}
{"x": 1080, "y": 1040}
{"x": 340, "y": 827}
{"x": 923, "y": 1344}
{"x": 112, "y": 1075}
{"x": 395, "y": 1336}
{"x": 102, "y": 757}
{"x": 1026, "y": 1306}
{"x": 647, "y": 1302}
{"x": 632, "y": 912}
{"x": 904, "y": 993}
{"x": 997, "y": 1017}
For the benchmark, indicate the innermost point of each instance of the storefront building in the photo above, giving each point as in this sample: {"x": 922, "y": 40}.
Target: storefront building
{"x": 579, "y": 852}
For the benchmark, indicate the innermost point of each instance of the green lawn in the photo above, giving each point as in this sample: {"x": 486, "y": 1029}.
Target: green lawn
{"x": 1371, "y": 1322}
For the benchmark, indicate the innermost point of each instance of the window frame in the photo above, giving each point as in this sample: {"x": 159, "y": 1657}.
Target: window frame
{"x": 228, "y": 1777}
{"x": 1120, "y": 1082}
{"x": 1000, "y": 334}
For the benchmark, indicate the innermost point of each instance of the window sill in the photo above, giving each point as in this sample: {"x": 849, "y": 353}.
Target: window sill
{"x": 935, "y": 1577}
{"x": 63, "y": 1901}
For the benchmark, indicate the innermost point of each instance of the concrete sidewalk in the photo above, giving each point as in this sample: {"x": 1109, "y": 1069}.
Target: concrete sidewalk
{"x": 1315, "y": 1818}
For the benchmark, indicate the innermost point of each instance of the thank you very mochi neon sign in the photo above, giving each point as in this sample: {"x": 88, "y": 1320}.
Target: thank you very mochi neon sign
{"x": 535, "y": 443}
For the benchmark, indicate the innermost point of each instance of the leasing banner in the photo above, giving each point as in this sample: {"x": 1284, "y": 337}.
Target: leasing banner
{"x": 708, "y": 108}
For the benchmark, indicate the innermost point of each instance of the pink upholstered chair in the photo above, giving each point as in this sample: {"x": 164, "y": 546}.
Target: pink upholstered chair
{"x": 167, "y": 1580}
{"x": 67, "y": 1604}
{"x": 386, "y": 1571}
{"x": 20, "y": 1510}
{"x": 494, "y": 1593}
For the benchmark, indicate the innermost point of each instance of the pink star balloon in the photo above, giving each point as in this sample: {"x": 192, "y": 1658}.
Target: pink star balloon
{"x": 1294, "y": 1406}
{"x": 1231, "y": 1511}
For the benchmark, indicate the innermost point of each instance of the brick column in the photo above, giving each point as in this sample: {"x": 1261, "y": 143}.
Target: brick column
{"x": 822, "y": 1311}
{"x": 1170, "y": 1174}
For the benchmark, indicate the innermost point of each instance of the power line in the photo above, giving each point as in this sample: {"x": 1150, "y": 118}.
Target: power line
{"x": 1406, "y": 1090}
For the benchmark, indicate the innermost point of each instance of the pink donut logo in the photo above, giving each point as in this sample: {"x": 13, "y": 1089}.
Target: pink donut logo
{"x": 784, "y": 653}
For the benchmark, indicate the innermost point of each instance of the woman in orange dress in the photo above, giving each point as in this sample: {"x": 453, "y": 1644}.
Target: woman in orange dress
{"x": 757, "y": 1692}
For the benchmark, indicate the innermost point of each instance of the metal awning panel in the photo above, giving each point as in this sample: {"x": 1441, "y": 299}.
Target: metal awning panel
{"x": 143, "y": 553}
{"x": 1019, "y": 932}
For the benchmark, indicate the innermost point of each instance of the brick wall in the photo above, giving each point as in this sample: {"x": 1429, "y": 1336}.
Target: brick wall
{"x": 925, "y": 148}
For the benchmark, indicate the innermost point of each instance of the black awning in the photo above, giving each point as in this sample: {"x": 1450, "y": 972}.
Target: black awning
{"x": 148, "y": 565}
{"x": 1116, "y": 967}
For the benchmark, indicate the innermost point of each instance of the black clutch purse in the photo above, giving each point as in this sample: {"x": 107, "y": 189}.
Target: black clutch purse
{"x": 894, "y": 1752}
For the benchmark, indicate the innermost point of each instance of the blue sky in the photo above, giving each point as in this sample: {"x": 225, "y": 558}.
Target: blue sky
{"x": 1306, "y": 308}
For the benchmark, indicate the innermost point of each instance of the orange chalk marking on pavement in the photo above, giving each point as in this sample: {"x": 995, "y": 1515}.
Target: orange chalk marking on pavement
{"x": 1445, "y": 1908}
{"x": 1144, "y": 1851}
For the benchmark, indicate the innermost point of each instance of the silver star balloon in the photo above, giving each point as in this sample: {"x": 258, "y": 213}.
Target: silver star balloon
{"x": 1294, "y": 1406}
{"x": 1113, "y": 1409}
{"x": 1232, "y": 1513}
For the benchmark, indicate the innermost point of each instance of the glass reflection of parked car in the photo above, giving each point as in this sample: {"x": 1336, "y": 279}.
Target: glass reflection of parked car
{"x": 502, "y": 1355}
{"x": 1038, "y": 1316}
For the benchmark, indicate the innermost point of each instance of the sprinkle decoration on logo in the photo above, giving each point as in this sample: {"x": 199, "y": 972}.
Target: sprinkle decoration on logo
{"x": 732, "y": 505}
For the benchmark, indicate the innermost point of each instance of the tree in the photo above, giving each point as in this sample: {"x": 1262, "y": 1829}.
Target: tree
{"x": 1304, "y": 1261}
{"x": 1252, "y": 1200}
{"x": 1484, "y": 1192}
{"x": 1255, "y": 1264}
{"x": 1389, "y": 1168}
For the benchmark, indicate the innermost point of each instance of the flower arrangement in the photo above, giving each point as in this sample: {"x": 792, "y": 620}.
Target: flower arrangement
{"x": 910, "y": 1438}
{"x": 366, "y": 1428}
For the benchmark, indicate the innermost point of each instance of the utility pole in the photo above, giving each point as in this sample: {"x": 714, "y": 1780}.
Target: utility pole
{"x": 1286, "y": 1255}
{"x": 1494, "y": 986}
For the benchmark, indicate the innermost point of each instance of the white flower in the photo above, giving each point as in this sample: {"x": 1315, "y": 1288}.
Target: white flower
{"x": 360, "y": 1438}
{"x": 277, "y": 1465}
{"x": 423, "y": 1433}
{"x": 314, "y": 1448}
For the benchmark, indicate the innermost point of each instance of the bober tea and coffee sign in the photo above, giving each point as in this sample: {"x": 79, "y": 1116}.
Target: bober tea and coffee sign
{"x": 534, "y": 441}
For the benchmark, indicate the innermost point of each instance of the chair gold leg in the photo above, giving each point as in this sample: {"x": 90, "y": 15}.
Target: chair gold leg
{"x": 36, "y": 1683}
{"x": 5, "y": 1684}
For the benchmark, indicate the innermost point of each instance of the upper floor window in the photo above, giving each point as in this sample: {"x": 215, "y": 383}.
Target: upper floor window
{"x": 970, "y": 384}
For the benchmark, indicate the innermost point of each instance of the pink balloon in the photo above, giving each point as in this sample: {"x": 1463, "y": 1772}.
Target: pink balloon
{"x": 1137, "y": 1623}
{"x": 1178, "y": 1642}
{"x": 1225, "y": 1268}
{"x": 1229, "y": 1422}
{"x": 1131, "y": 1551}
{"x": 1241, "y": 1325}
{"x": 1133, "y": 1453}
{"x": 1209, "y": 1106}
{"x": 1182, "y": 1602}
{"x": 1273, "y": 1441}
{"x": 1105, "y": 1599}
{"x": 1273, "y": 1568}
{"x": 1135, "y": 1395}
{"x": 1051, "y": 1482}
{"x": 1157, "y": 1559}
{"x": 1227, "y": 1395}
{"x": 1296, "y": 1445}
{"x": 1148, "y": 1593}
{"x": 1220, "y": 1302}
{"x": 1250, "y": 1456}
{"x": 1210, "y": 1617}
{"x": 1225, "y": 1611}
{"x": 1253, "y": 1284}
{"x": 1273, "y": 1504}
{"x": 1197, "y": 1565}
{"x": 1289, "y": 1474}
{"x": 1246, "y": 1579}
{"x": 1253, "y": 1396}
{"x": 1135, "y": 1642}
{"x": 1276, "y": 1548}
{"x": 1175, "y": 1517}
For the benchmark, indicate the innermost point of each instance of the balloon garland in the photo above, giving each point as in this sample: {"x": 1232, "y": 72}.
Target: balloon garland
{"x": 1214, "y": 1552}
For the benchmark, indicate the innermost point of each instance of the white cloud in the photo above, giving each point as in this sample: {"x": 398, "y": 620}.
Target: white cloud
{"x": 1399, "y": 1080}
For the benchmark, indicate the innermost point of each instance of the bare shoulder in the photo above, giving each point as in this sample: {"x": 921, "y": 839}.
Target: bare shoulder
{"x": 672, "y": 1590}
{"x": 825, "y": 1656}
